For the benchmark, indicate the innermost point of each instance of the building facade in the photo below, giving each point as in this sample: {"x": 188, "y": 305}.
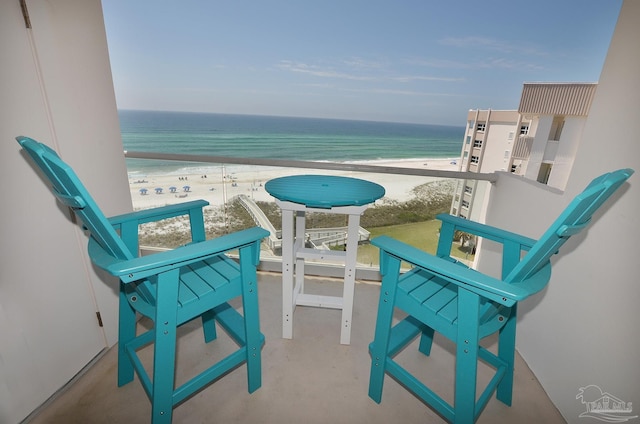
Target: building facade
{"x": 538, "y": 141}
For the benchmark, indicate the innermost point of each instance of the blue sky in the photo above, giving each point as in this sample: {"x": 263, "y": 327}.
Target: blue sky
{"x": 415, "y": 61}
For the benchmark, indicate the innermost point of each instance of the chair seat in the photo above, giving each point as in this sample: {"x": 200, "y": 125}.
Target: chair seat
{"x": 434, "y": 300}
{"x": 202, "y": 286}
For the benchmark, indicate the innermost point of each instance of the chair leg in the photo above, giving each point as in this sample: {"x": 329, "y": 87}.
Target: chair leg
{"x": 507, "y": 352}
{"x": 466, "y": 356}
{"x": 126, "y": 333}
{"x": 164, "y": 354}
{"x": 426, "y": 340}
{"x": 251, "y": 319}
{"x": 380, "y": 345}
{"x": 209, "y": 326}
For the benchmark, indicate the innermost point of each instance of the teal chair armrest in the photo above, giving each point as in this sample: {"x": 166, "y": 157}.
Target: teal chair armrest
{"x": 469, "y": 279}
{"x": 485, "y": 231}
{"x": 127, "y": 224}
{"x": 146, "y": 266}
{"x": 513, "y": 244}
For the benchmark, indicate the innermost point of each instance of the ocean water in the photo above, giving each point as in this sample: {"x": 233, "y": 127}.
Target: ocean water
{"x": 277, "y": 138}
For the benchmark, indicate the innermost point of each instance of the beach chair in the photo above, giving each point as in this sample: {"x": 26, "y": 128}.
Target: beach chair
{"x": 170, "y": 288}
{"x": 438, "y": 294}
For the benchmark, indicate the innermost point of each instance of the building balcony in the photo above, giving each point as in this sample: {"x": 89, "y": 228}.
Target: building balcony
{"x": 577, "y": 333}
{"x": 310, "y": 378}
{"x": 550, "y": 151}
{"x": 522, "y": 148}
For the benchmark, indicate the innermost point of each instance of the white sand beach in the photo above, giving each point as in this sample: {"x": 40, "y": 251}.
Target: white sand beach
{"x": 250, "y": 181}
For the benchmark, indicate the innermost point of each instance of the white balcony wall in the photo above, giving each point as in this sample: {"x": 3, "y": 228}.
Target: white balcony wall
{"x": 566, "y": 150}
{"x": 56, "y": 87}
{"x": 550, "y": 151}
{"x": 582, "y": 329}
{"x": 541, "y": 136}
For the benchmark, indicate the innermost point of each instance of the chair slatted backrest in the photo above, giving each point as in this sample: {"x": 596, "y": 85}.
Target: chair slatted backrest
{"x": 71, "y": 192}
{"x": 573, "y": 219}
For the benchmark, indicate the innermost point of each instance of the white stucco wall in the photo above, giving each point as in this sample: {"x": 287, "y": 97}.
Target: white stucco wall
{"x": 56, "y": 86}
{"x": 582, "y": 329}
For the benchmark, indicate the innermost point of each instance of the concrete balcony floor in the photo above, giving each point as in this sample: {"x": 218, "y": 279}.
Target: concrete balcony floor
{"x": 310, "y": 379}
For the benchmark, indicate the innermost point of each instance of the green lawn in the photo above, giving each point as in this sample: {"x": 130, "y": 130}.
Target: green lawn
{"x": 423, "y": 235}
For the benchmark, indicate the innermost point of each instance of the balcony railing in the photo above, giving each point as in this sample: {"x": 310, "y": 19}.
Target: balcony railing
{"x": 329, "y": 235}
{"x": 522, "y": 148}
{"x": 335, "y": 166}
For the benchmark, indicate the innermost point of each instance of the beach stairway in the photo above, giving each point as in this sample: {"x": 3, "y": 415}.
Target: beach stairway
{"x": 319, "y": 238}
{"x": 261, "y": 220}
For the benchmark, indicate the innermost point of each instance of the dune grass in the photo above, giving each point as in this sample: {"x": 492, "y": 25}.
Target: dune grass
{"x": 411, "y": 222}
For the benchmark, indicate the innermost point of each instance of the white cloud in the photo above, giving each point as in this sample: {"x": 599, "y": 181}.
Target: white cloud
{"x": 379, "y": 76}
{"x": 488, "y": 43}
{"x": 402, "y": 92}
{"x": 320, "y": 72}
{"x": 410, "y": 78}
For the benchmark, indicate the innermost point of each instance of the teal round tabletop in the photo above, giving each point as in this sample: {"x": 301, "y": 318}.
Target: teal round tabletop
{"x": 324, "y": 191}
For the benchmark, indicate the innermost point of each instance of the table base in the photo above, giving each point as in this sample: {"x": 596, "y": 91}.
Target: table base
{"x": 293, "y": 260}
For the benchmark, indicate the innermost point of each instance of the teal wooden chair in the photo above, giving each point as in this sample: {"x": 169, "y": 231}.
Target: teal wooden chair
{"x": 464, "y": 305}
{"x": 171, "y": 287}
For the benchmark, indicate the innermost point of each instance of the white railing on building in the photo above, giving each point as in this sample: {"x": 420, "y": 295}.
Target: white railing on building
{"x": 522, "y": 147}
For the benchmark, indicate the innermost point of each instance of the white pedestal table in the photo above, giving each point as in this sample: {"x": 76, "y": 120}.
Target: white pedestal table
{"x": 296, "y": 195}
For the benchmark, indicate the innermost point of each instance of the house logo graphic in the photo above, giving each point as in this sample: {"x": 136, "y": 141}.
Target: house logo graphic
{"x": 604, "y": 406}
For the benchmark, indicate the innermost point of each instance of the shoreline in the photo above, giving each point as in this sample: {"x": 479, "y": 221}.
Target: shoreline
{"x": 207, "y": 182}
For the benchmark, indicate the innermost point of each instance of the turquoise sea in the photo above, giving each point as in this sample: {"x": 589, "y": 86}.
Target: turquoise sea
{"x": 278, "y": 138}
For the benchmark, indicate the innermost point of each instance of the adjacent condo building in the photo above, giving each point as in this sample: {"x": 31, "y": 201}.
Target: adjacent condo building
{"x": 538, "y": 141}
